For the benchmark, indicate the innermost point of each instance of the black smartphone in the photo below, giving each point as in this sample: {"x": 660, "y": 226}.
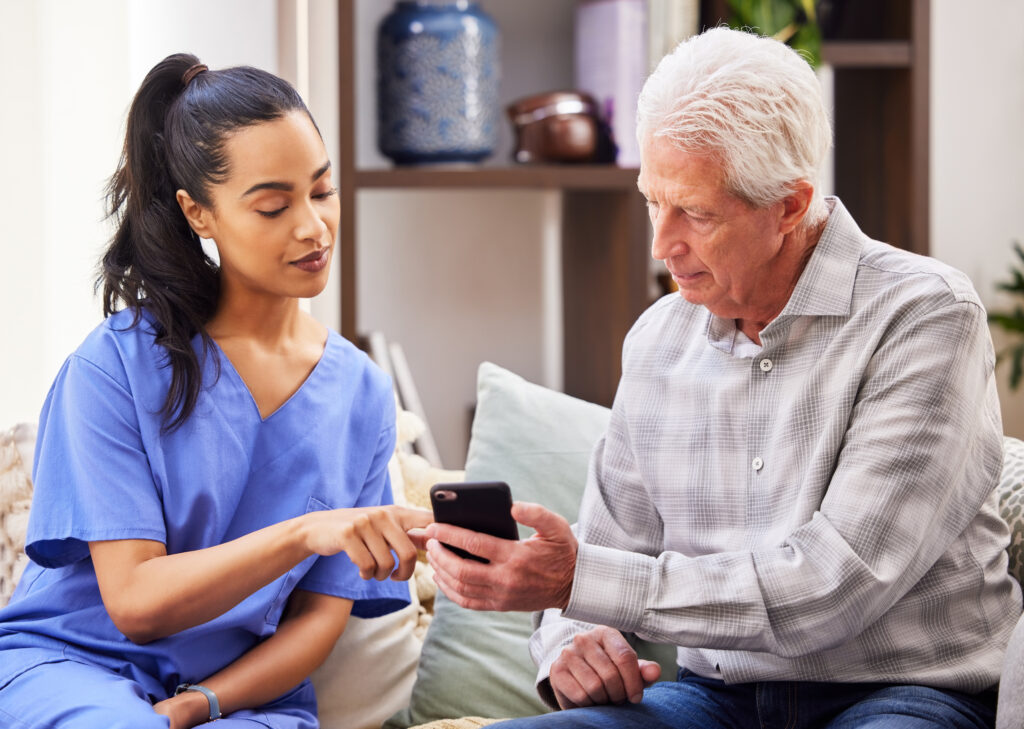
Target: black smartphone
{"x": 482, "y": 506}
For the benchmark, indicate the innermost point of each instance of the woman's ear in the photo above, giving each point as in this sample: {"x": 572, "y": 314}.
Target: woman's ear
{"x": 198, "y": 217}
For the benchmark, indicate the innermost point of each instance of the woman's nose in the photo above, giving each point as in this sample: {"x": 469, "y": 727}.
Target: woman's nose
{"x": 311, "y": 225}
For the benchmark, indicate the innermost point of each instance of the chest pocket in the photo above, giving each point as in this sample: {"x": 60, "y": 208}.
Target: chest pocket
{"x": 294, "y": 575}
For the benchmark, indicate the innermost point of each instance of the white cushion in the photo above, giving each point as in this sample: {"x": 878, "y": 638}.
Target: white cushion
{"x": 370, "y": 672}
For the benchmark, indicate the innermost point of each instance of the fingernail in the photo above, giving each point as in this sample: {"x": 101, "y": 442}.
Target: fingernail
{"x": 636, "y": 698}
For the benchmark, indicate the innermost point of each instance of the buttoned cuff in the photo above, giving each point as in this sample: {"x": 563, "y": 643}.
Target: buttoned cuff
{"x": 610, "y": 587}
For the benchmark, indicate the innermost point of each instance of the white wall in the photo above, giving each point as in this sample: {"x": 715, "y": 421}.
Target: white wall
{"x": 454, "y": 296}
{"x": 21, "y": 186}
{"x": 60, "y": 136}
{"x": 977, "y": 151}
{"x": 69, "y": 70}
{"x": 322, "y": 19}
{"x": 220, "y": 33}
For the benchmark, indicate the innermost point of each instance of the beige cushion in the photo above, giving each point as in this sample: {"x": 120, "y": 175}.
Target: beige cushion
{"x": 467, "y": 722}
{"x": 370, "y": 672}
{"x": 1011, "y": 502}
{"x": 16, "y": 446}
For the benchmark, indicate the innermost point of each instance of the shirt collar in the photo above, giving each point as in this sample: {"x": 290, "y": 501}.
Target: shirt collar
{"x": 826, "y": 285}
{"x": 825, "y": 288}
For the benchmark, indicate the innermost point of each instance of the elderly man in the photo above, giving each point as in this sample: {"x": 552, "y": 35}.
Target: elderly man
{"x": 796, "y": 484}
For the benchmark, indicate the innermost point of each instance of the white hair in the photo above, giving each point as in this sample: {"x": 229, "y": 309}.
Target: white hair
{"x": 753, "y": 101}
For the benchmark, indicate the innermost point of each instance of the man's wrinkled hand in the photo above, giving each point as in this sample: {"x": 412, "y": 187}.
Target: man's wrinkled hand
{"x": 527, "y": 575}
{"x": 600, "y": 667}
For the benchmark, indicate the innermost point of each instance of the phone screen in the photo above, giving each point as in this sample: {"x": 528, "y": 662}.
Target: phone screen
{"x": 481, "y": 506}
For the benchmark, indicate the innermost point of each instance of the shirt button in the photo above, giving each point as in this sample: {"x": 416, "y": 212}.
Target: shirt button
{"x": 766, "y": 365}
{"x": 757, "y": 464}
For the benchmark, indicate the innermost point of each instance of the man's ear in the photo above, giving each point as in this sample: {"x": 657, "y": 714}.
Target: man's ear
{"x": 198, "y": 217}
{"x": 795, "y": 206}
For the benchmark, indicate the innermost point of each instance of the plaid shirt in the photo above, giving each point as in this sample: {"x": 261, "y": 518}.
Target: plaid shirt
{"x": 822, "y": 510}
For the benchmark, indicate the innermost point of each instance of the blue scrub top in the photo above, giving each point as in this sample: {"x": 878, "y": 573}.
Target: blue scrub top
{"x": 105, "y": 470}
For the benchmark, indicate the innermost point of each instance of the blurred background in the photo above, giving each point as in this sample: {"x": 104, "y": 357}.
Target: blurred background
{"x": 538, "y": 267}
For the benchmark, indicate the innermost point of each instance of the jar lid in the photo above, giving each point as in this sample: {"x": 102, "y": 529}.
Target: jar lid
{"x": 437, "y": 4}
{"x": 553, "y": 103}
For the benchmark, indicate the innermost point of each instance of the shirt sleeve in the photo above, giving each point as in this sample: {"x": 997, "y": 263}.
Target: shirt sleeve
{"x": 634, "y": 533}
{"x": 91, "y": 475}
{"x": 338, "y": 575}
{"x": 920, "y": 456}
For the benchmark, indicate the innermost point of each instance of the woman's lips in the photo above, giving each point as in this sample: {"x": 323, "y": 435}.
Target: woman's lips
{"x": 315, "y": 261}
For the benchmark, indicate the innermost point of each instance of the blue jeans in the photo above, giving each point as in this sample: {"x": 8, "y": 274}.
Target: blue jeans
{"x": 693, "y": 702}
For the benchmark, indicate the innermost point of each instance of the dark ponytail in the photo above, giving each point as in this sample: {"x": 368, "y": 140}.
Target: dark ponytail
{"x": 174, "y": 140}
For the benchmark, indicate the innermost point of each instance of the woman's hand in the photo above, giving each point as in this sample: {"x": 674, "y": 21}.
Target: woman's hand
{"x": 146, "y": 598}
{"x": 185, "y": 710}
{"x": 369, "y": 535}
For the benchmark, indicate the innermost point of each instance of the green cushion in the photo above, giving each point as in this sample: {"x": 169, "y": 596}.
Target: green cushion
{"x": 539, "y": 441}
{"x": 1011, "y": 502}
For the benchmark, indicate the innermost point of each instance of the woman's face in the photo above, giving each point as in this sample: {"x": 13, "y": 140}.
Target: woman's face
{"x": 275, "y": 218}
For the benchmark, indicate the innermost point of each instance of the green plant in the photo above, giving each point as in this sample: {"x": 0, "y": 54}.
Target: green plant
{"x": 791, "y": 21}
{"x": 1012, "y": 322}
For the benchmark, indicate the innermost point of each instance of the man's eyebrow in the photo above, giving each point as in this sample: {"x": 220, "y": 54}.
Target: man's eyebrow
{"x": 285, "y": 186}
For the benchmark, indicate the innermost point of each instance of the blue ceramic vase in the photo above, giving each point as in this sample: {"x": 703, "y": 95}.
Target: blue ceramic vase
{"x": 437, "y": 83}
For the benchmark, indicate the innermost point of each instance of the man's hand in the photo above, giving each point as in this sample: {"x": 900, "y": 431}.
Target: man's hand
{"x": 527, "y": 575}
{"x": 600, "y": 667}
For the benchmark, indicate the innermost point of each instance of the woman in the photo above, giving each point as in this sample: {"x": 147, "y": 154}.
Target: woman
{"x": 212, "y": 497}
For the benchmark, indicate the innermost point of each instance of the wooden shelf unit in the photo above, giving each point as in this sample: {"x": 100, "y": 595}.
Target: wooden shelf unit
{"x": 867, "y": 54}
{"x": 879, "y": 53}
{"x": 881, "y": 72}
{"x": 551, "y": 177}
{"x": 603, "y": 236}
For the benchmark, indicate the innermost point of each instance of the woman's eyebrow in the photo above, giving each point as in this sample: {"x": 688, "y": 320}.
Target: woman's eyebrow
{"x": 285, "y": 186}
{"x": 320, "y": 172}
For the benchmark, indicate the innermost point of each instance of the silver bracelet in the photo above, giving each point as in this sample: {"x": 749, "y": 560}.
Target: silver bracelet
{"x": 210, "y": 696}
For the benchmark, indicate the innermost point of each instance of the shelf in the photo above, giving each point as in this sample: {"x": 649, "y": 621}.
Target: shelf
{"x": 867, "y": 54}
{"x": 559, "y": 177}
{"x": 880, "y": 52}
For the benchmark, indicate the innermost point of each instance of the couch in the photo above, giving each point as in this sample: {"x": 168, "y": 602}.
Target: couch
{"x": 436, "y": 664}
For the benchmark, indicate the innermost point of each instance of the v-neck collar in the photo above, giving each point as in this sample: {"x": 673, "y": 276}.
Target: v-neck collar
{"x": 226, "y": 365}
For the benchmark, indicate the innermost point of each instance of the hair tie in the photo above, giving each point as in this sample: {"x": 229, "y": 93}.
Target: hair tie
{"x": 192, "y": 72}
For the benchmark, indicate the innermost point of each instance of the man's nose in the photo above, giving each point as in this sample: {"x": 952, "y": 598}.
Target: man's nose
{"x": 668, "y": 239}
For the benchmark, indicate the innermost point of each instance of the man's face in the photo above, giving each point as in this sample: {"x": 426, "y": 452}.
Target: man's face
{"x": 722, "y": 253}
